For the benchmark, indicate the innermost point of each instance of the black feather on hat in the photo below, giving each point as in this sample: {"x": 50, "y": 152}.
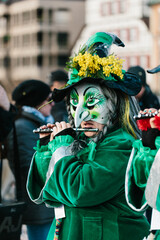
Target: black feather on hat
{"x": 31, "y": 93}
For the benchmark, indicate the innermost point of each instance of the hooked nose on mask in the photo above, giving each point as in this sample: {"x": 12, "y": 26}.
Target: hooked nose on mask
{"x": 80, "y": 116}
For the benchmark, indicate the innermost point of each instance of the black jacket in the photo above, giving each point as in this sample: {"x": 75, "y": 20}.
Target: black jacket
{"x": 6, "y": 121}
{"x": 27, "y": 140}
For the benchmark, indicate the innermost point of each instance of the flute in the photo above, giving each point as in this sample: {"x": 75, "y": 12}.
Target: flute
{"x": 49, "y": 130}
{"x": 144, "y": 116}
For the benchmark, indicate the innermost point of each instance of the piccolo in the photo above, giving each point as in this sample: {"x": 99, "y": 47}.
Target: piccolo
{"x": 50, "y": 130}
{"x": 144, "y": 116}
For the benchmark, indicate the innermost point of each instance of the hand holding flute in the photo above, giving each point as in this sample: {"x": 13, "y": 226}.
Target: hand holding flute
{"x": 56, "y": 128}
{"x": 153, "y": 116}
{"x": 53, "y": 129}
{"x": 146, "y": 113}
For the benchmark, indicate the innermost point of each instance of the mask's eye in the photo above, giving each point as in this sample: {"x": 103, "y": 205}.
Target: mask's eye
{"x": 91, "y": 102}
{"x": 74, "y": 102}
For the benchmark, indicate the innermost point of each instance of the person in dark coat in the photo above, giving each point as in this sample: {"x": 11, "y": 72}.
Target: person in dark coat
{"x": 146, "y": 98}
{"x": 7, "y": 114}
{"x": 29, "y": 96}
{"x": 58, "y": 79}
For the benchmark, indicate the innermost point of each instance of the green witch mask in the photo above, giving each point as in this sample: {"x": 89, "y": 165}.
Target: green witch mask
{"x": 87, "y": 102}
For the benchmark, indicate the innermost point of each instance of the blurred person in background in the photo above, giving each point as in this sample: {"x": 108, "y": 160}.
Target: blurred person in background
{"x": 29, "y": 96}
{"x": 7, "y": 114}
{"x": 58, "y": 79}
{"x": 146, "y": 98}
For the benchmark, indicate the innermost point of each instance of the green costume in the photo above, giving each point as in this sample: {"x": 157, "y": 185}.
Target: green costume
{"x": 137, "y": 175}
{"x": 90, "y": 184}
{"x": 139, "y": 178}
{"x": 82, "y": 177}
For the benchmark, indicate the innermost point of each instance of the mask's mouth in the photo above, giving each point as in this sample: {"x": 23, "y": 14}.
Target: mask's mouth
{"x": 88, "y": 124}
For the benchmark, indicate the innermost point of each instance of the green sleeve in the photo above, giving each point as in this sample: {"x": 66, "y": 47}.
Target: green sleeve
{"x": 142, "y": 163}
{"x": 137, "y": 174}
{"x": 79, "y": 181}
{"x": 38, "y": 171}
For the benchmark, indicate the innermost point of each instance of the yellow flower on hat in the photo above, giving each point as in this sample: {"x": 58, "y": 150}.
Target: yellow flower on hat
{"x": 88, "y": 65}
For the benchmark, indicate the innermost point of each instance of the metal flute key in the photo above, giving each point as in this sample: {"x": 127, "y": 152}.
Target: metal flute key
{"x": 144, "y": 116}
{"x": 49, "y": 130}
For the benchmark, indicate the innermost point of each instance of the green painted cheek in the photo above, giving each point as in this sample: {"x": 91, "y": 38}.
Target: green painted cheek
{"x": 73, "y": 114}
{"x": 94, "y": 114}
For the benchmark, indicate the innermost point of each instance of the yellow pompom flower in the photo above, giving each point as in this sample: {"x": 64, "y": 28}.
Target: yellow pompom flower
{"x": 88, "y": 65}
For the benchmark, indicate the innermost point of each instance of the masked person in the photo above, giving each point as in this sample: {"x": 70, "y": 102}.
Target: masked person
{"x": 82, "y": 174}
{"x": 143, "y": 172}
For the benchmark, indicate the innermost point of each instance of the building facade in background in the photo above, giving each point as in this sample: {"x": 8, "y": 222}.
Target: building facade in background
{"x": 36, "y": 37}
{"x": 155, "y": 32}
{"x": 130, "y": 21}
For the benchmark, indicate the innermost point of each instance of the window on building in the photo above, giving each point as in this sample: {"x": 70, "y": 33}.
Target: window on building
{"x": 62, "y": 59}
{"x": 105, "y": 8}
{"x": 62, "y": 39}
{"x": 40, "y": 14}
{"x": 15, "y": 41}
{"x": 50, "y": 36}
{"x": 18, "y": 62}
{"x": 34, "y": 39}
{"x": 13, "y": 63}
{"x": 26, "y": 40}
{"x": 124, "y": 35}
{"x": 133, "y": 34}
{"x": 26, "y": 61}
{"x": 40, "y": 38}
{"x": 51, "y": 60}
{"x": 33, "y": 61}
{"x": 6, "y": 62}
{"x": 6, "y": 39}
{"x": 114, "y": 7}
{"x": 3, "y": 22}
{"x": 62, "y": 16}
{"x": 39, "y": 60}
{"x": 50, "y": 16}
{"x": 122, "y": 6}
{"x": 33, "y": 15}
{"x": 26, "y": 17}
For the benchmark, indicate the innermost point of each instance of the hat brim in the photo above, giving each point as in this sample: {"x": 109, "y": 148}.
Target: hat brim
{"x": 154, "y": 70}
{"x": 131, "y": 86}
